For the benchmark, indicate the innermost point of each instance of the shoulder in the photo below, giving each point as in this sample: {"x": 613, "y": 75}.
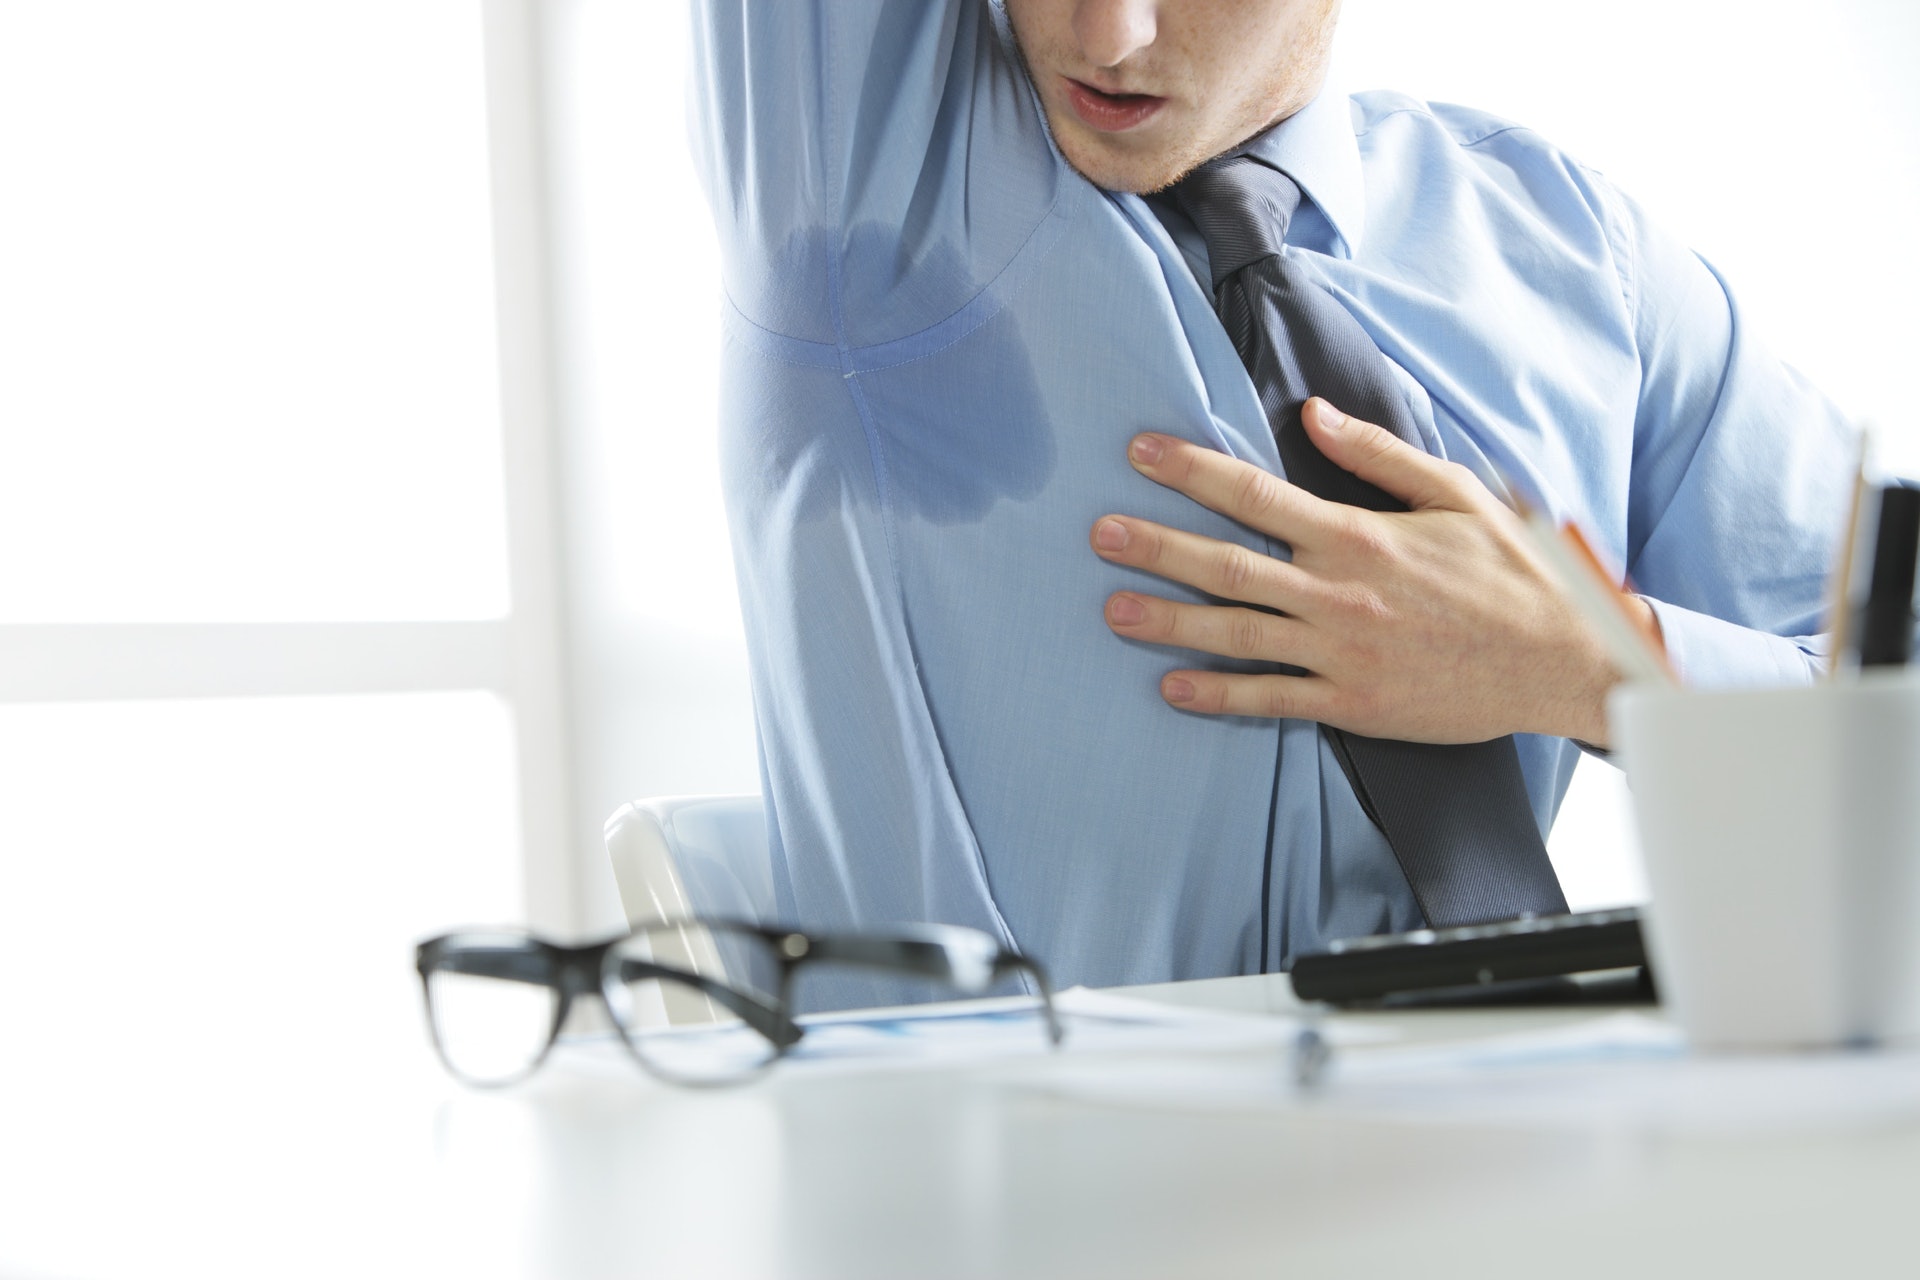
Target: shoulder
{"x": 1406, "y": 137}
{"x": 1422, "y": 157}
{"x": 1397, "y": 128}
{"x": 1403, "y": 116}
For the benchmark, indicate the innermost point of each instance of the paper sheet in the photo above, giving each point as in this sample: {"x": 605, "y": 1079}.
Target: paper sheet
{"x": 1010, "y": 1029}
{"x": 1618, "y": 1071}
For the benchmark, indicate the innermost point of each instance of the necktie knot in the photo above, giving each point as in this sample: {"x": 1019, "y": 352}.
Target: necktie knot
{"x": 1241, "y": 208}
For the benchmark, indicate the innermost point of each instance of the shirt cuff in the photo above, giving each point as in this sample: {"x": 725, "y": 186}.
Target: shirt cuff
{"x": 1712, "y": 653}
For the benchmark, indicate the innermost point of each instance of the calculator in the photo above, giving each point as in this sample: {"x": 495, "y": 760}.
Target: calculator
{"x": 1578, "y": 957}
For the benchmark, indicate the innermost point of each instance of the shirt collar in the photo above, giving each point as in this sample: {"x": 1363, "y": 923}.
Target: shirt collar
{"x": 1316, "y": 147}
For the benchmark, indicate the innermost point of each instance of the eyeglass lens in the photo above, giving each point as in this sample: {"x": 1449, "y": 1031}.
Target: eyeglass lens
{"x": 492, "y": 1018}
{"x": 696, "y": 1002}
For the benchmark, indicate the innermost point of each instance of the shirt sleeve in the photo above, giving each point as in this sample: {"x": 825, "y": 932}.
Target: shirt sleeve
{"x": 1741, "y": 472}
{"x": 871, "y": 164}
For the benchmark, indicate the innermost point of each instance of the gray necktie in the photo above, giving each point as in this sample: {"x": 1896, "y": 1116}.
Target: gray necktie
{"x": 1457, "y": 817}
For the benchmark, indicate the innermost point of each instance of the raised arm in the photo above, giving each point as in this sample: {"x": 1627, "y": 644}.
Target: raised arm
{"x": 871, "y": 164}
{"x": 873, "y": 167}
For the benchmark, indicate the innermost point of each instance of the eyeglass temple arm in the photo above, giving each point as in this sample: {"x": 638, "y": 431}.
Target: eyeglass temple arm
{"x": 903, "y": 955}
{"x": 1013, "y": 962}
{"x": 931, "y": 960}
{"x": 768, "y": 1021}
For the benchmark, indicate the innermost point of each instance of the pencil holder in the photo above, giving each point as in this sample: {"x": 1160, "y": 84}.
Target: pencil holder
{"x": 1781, "y": 829}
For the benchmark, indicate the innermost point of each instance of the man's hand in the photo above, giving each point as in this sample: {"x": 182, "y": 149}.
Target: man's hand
{"x": 1437, "y": 624}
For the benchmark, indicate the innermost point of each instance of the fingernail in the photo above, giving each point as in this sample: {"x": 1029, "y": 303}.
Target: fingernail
{"x": 1331, "y": 419}
{"x": 1125, "y": 610}
{"x": 1110, "y": 535}
{"x": 1146, "y": 450}
{"x": 1175, "y": 689}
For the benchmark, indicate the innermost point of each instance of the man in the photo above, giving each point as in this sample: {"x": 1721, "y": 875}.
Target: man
{"x": 964, "y": 335}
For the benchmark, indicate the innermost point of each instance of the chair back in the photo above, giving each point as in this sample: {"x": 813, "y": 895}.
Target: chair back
{"x": 680, "y": 856}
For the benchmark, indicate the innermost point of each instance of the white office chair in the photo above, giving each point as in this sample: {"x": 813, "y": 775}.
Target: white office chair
{"x": 680, "y": 856}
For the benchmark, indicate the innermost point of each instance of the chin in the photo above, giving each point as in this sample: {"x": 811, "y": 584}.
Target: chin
{"x": 1117, "y": 170}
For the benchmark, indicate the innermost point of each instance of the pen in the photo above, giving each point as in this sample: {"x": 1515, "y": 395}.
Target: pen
{"x": 1595, "y": 595}
{"x": 1886, "y": 623}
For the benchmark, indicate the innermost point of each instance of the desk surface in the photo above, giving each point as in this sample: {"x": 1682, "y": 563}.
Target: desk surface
{"x": 333, "y": 1146}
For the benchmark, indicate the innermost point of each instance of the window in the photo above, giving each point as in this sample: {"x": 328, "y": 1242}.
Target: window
{"x": 251, "y": 448}
{"x": 303, "y": 300}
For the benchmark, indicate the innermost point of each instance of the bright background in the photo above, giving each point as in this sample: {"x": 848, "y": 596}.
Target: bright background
{"x": 252, "y": 375}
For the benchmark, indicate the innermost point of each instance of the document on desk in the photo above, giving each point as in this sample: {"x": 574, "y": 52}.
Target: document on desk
{"x": 1616, "y": 1071}
{"x": 1095, "y": 1021}
{"x": 1011, "y": 1029}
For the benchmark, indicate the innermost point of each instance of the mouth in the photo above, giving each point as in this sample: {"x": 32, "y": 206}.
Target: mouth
{"x": 1111, "y": 112}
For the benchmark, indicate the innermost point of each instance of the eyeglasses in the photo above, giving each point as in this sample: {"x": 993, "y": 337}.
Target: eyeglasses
{"x": 727, "y": 992}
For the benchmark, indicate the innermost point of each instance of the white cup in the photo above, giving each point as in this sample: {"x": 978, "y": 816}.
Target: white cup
{"x": 1781, "y": 829}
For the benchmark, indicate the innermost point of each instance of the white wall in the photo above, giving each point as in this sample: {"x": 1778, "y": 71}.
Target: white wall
{"x": 660, "y": 702}
{"x": 1781, "y": 140}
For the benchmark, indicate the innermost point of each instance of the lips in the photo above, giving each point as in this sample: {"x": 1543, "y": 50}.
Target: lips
{"x": 1111, "y": 112}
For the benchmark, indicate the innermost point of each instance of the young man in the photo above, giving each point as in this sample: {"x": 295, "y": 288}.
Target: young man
{"x": 996, "y": 465}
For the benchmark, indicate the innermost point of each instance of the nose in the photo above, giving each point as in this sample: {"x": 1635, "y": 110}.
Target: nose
{"x": 1111, "y": 31}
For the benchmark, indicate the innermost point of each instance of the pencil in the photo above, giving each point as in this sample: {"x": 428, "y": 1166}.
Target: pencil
{"x": 1840, "y": 587}
{"x": 1597, "y": 598}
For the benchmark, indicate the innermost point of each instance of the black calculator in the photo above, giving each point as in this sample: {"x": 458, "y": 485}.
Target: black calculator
{"x": 1579, "y": 957}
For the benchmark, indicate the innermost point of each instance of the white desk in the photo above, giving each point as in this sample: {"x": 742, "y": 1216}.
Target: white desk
{"x": 335, "y": 1148}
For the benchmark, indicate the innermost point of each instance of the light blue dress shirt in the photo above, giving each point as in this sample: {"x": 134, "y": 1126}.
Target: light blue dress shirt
{"x": 938, "y": 342}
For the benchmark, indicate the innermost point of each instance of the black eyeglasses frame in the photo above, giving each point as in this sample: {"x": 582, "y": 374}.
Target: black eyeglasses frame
{"x": 967, "y": 959}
